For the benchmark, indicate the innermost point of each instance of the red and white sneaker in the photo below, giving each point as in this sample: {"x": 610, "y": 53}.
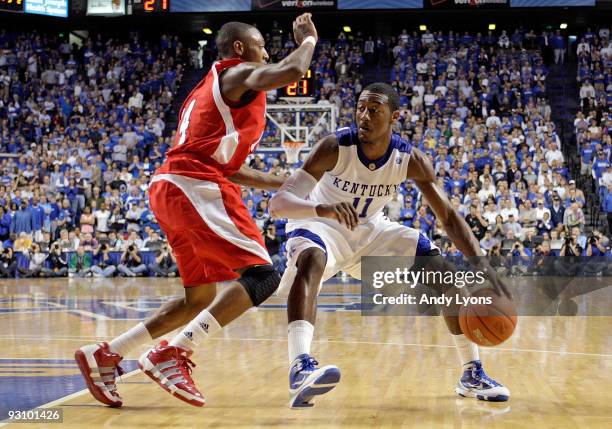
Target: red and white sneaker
{"x": 170, "y": 367}
{"x": 98, "y": 366}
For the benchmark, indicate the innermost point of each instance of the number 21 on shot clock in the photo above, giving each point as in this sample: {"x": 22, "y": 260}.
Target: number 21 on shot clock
{"x": 155, "y": 5}
{"x": 302, "y": 88}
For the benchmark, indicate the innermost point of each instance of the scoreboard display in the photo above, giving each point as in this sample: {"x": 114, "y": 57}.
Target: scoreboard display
{"x": 11, "y": 5}
{"x": 145, "y": 7}
{"x": 57, "y": 8}
{"x": 304, "y": 87}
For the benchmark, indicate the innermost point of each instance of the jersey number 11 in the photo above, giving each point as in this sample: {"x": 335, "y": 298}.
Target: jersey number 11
{"x": 366, "y": 205}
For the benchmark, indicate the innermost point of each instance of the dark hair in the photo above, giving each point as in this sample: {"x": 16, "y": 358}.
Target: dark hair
{"x": 228, "y": 34}
{"x": 388, "y": 90}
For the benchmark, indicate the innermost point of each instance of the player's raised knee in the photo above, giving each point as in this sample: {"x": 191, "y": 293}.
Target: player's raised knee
{"x": 260, "y": 282}
{"x": 311, "y": 262}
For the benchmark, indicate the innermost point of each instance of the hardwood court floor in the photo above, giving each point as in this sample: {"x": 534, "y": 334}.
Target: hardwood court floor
{"x": 396, "y": 371}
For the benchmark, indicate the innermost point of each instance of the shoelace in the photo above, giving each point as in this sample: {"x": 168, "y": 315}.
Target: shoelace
{"x": 479, "y": 374}
{"x": 112, "y": 388}
{"x": 309, "y": 364}
{"x": 183, "y": 362}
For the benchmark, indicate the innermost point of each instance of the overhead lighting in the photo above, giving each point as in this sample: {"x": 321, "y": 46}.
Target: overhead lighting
{"x": 492, "y": 26}
{"x": 346, "y": 29}
{"x": 207, "y": 30}
{"x": 423, "y": 27}
{"x": 563, "y": 25}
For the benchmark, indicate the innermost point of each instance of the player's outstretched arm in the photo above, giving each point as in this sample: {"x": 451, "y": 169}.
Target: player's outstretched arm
{"x": 265, "y": 77}
{"x": 424, "y": 176}
{"x": 457, "y": 229}
{"x": 291, "y": 200}
{"x": 252, "y": 178}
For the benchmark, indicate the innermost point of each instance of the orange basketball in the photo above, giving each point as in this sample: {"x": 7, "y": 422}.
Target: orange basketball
{"x": 488, "y": 324}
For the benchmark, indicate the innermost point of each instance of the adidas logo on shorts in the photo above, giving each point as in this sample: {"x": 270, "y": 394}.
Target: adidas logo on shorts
{"x": 204, "y": 326}
{"x": 189, "y": 335}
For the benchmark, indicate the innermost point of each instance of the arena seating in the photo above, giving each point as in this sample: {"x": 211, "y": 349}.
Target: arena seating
{"x": 83, "y": 129}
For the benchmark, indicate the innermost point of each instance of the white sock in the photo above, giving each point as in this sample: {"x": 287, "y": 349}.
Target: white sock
{"x": 300, "y": 334}
{"x": 131, "y": 339}
{"x": 467, "y": 350}
{"x": 196, "y": 331}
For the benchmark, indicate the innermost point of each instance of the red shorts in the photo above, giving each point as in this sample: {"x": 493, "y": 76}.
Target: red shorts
{"x": 208, "y": 226}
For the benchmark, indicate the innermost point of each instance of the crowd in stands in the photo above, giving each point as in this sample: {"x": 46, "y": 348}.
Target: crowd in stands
{"x": 84, "y": 129}
{"x": 478, "y": 107}
{"x": 593, "y": 123}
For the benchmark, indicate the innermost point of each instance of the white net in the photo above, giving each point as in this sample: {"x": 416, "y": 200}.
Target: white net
{"x": 292, "y": 149}
{"x": 301, "y": 122}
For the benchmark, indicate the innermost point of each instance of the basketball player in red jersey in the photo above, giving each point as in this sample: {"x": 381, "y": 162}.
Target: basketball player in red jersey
{"x": 196, "y": 199}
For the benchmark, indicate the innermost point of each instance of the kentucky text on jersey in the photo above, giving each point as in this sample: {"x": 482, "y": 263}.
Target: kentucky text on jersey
{"x": 382, "y": 190}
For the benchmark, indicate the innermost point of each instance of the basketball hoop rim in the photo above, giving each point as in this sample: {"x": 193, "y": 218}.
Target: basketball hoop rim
{"x": 292, "y": 150}
{"x": 292, "y": 144}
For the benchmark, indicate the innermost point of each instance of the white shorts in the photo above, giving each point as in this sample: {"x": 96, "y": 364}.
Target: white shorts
{"x": 344, "y": 248}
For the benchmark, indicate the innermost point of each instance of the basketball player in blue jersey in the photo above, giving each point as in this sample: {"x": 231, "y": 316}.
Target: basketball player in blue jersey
{"x": 334, "y": 204}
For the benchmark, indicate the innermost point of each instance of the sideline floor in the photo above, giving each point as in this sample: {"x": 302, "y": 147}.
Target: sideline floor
{"x": 396, "y": 371}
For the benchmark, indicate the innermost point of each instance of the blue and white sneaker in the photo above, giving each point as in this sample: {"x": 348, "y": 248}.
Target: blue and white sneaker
{"x": 307, "y": 381}
{"x": 476, "y": 384}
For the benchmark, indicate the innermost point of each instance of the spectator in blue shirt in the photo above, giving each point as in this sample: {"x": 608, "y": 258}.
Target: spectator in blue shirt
{"x": 595, "y": 251}
{"x": 607, "y": 205}
{"x": 594, "y": 246}
{"x": 558, "y": 44}
{"x": 426, "y": 220}
{"x": 456, "y": 182}
{"x": 600, "y": 164}
{"x": 5, "y": 224}
{"x": 586, "y": 156}
{"x": 519, "y": 257}
{"x": 38, "y": 216}
{"x": 22, "y": 221}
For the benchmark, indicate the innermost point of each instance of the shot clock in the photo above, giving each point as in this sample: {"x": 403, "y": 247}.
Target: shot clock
{"x": 150, "y": 6}
{"x": 304, "y": 87}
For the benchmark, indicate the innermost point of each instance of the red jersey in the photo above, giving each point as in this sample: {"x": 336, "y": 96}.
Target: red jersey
{"x": 214, "y": 135}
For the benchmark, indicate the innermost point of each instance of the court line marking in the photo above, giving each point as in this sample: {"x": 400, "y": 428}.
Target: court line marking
{"x": 98, "y": 317}
{"x": 376, "y": 343}
{"x": 68, "y": 397}
{"x": 54, "y": 304}
{"x": 39, "y": 310}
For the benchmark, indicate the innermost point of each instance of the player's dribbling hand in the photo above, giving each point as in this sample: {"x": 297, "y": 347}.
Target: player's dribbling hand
{"x": 304, "y": 27}
{"x": 342, "y": 212}
{"x": 498, "y": 284}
